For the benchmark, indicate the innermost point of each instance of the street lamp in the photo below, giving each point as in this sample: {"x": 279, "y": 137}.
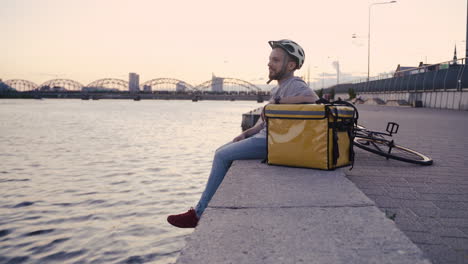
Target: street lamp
{"x": 369, "y": 35}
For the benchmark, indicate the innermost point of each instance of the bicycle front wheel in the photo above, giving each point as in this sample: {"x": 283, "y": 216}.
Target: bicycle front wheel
{"x": 382, "y": 148}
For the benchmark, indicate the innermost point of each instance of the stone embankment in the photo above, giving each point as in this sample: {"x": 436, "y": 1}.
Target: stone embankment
{"x": 271, "y": 214}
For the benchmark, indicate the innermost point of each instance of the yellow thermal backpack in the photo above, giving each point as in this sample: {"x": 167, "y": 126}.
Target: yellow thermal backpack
{"x": 315, "y": 136}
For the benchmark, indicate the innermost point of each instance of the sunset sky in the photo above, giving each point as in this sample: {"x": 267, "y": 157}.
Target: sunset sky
{"x": 86, "y": 40}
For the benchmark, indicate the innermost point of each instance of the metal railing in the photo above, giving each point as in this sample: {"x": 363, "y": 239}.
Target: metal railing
{"x": 448, "y": 75}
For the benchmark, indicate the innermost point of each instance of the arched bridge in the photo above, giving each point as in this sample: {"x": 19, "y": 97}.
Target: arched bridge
{"x": 21, "y": 85}
{"x": 166, "y": 84}
{"x": 58, "y": 85}
{"x": 108, "y": 84}
{"x": 228, "y": 85}
{"x": 216, "y": 85}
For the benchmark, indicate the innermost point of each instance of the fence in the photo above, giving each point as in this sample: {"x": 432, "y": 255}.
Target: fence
{"x": 449, "y": 75}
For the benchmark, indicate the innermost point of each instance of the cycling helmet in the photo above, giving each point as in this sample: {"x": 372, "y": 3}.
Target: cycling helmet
{"x": 292, "y": 48}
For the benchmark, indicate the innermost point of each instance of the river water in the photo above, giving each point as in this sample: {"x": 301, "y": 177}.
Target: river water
{"x": 93, "y": 181}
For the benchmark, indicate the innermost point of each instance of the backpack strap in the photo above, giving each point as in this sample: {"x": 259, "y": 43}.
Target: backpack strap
{"x": 350, "y": 129}
{"x": 334, "y": 127}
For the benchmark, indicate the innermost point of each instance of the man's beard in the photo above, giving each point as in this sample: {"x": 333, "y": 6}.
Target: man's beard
{"x": 279, "y": 75}
{"x": 274, "y": 75}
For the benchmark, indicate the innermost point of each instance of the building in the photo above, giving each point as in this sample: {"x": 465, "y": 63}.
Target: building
{"x": 402, "y": 71}
{"x": 455, "y": 59}
{"x": 147, "y": 88}
{"x": 180, "y": 87}
{"x": 133, "y": 82}
{"x": 405, "y": 70}
{"x": 217, "y": 84}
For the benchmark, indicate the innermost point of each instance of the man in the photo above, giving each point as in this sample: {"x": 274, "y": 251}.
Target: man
{"x": 286, "y": 57}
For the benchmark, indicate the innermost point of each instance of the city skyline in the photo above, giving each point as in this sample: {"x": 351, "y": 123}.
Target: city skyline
{"x": 87, "y": 40}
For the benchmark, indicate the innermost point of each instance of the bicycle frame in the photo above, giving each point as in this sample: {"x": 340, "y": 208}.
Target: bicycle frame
{"x": 377, "y": 142}
{"x": 392, "y": 128}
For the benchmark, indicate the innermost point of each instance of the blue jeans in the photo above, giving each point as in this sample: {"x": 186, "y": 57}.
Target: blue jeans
{"x": 249, "y": 148}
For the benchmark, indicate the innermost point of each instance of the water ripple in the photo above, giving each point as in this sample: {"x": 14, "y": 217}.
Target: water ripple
{"x": 90, "y": 202}
{"x": 14, "y": 260}
{"x": 119, "y": 182}
{"x": 87, "y": 193}
{"x": 65, "y": 204}
{"x": 47, "y": 247}
{"x": 155, "y": 169}
{"x": 12, "y": 180}
{"x": 63, "y": 255}
{"x": 70, "y": 219}
{"x": 23, "y": 204}
{"x": 5, "y": 232}
{"x": 39, "y": 232}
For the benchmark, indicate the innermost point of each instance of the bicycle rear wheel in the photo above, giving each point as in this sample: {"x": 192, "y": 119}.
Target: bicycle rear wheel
{"x": 381, "y": 147}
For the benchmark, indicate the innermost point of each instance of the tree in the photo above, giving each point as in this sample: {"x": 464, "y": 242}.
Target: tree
{"x": 320, "y": 93}
{"x": 351, "y": 93}
{"x": 332, "y": 93}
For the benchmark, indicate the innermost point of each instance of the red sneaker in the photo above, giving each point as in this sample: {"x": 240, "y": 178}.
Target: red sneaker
{"x": 185, "y": 220}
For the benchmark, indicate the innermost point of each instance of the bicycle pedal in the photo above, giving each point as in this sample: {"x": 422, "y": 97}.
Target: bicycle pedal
{"x": 392, "y": 128}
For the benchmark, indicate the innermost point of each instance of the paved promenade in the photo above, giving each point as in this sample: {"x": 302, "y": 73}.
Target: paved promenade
{"x": 430, "y": 203}
{"x": 272, "y": 214}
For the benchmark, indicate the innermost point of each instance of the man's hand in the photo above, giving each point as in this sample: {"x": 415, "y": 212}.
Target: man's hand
{"x": 239, "y": 137}
{"x": 250, "y": 132}
{"x": 262, "y": 114}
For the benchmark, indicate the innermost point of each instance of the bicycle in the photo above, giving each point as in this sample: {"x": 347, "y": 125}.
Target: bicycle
{"x": 380, "y": 143}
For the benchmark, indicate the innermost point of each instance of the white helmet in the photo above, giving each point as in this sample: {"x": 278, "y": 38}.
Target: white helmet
{"x": 292, "y": 48}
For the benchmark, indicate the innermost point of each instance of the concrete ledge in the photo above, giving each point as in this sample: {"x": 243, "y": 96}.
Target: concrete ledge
{"x": 270, "y": 214}
{"x": 253, "y": 184}
{"x": 374, "y": 101}
{"x": 397, "y": 103}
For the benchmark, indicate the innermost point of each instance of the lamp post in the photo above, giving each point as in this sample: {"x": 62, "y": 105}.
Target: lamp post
{"x": 369, "y": 35}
